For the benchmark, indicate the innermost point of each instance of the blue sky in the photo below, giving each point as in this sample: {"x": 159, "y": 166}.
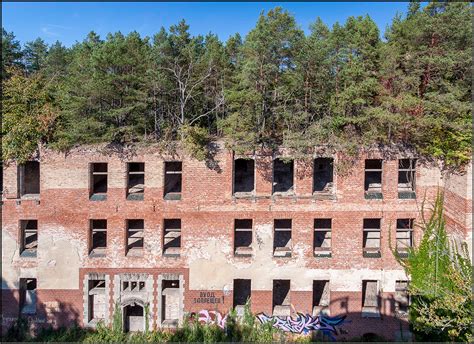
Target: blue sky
{"x": 70, "y": 22}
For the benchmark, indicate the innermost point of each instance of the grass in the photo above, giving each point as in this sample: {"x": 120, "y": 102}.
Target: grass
{"x": 245, "y": 329}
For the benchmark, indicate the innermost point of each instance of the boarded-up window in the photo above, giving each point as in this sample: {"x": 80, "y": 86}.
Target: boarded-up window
{"x": 28, "y": 238}
{"x": 29, "y": 178}
{"x": 283, "y": 175}
{"x": 243, "y": 237}
{"x": 28, "y": 295}
{"x": 371, "y": 238}
{"x": 98, "y": 181}
{"x": 323, "y": 175}
{"x": 373, "y": 179}
{"x": 322, "y": 237}
{"x": 406, "y": 178}
{"x": 242, "y": 292}
{"x": 98, "y": 237}
{"x": 404, "y": 236}
{"x": 173, "y": 180}
{"x": 136, "y": 181}
{"x": 172, "y": 237}
{"x": 369, "y": 294}
{"x": 281, "y": 297}
{"x": 282, "y": 238}
{"x": 321, "y": 296}
{"x": 170, "y": 296}
{"x": 244, "y": 175}
{"x": 402, "y": 300}
{"x": 135, "y": 237}
{"x": 370, "y": 297}
{"x": 97, "y": 301}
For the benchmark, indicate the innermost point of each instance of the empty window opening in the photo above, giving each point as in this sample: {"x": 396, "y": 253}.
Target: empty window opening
{"x": 170, "y": 297}
{"x": 97, "y": 300}
{"x": 136, "y": 181}
{"x": 373, "y": 179}
{"x": 281, "y": 298}
{"x": 371, "y": 240}
{"x": 28, "y": 238}
{"x": 98, "y": 237}
{"x": 402, "y": 299}
{"x": 322, "y": 237}
{"x": 28, "y": 295}
{"x": 242, "y": 292}
{"x": 282, "y": 238}
{"x": 133, "y": 285}
{"x": 406, "y": 178}
{"x": 173, "y": 180}
{"x": 320, "y": 297}
{"x": 323, "y": 175}
{"x": 98, "y": 181}
{"x": 370, "y": 297}
{"x": 172, "y": 237}
{"x": 283, "y": 175}
{"x": 133, "y": 318}
{"x": 244, "y": 175}
{"x": 135, "y": 237}
{"x": 29, "y": 178}
{"x": 404, "y": 236}
{"x": 243, "y": 237}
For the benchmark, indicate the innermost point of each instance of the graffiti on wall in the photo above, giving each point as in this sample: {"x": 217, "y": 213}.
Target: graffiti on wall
{"x": 306, "y": 323}
{"x": 302, "y": 324}
{"x": 8, "y": 321}
{"x": 209, "y": 317}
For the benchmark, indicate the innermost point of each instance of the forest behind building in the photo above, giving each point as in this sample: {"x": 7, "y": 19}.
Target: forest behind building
{"x": 343, "y": 87}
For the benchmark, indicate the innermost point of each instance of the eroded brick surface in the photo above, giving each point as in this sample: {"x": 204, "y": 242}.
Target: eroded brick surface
{"x": 204, "y": 271}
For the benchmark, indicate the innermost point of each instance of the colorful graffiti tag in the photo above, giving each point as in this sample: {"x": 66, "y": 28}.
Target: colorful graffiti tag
{"x": 305, "y": 323}
{"x": 302, "y": 324}
{"x": 207, "y": 317}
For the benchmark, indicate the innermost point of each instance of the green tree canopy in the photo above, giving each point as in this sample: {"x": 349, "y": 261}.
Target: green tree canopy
{"x": 11, "y": 52}
{"x": 342, "y": 86}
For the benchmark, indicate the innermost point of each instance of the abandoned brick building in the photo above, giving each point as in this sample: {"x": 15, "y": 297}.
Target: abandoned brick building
{"x": 164, "y": 235}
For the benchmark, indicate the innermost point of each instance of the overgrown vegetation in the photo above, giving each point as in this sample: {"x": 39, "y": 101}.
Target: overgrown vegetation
{"x": 246, "y": 329}
{"x": 441, "y": 282}
{"x": 343, "y": 87}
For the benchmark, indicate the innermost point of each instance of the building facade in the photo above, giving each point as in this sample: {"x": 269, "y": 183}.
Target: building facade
{"x": 161, "y": 235}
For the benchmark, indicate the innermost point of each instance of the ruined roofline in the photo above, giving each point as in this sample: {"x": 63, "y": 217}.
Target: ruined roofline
{"x": 175, "y": 150}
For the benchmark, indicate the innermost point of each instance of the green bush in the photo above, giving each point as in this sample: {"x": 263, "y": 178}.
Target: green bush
{"x": 18, "y": 332}
{"x": 71, "y": 334}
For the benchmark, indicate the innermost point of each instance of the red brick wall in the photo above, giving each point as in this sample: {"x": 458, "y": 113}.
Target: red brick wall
{"x": 207, "y": 209}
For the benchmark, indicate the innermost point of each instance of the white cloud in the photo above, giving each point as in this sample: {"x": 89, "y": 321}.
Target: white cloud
{"x": 47, "y": 31}
{"x": 53, "y": 30}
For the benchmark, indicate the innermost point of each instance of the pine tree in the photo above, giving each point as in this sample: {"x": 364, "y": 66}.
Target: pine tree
{"x": 57, "y": 60}
{"x": 35, "y": 54}
{"x": 427, "y": 80}
{"x": 105, "y": 96}
{"x": 260, "y": 99}
{"x": 340, "y": 87}
{"x": 11, "y": 52}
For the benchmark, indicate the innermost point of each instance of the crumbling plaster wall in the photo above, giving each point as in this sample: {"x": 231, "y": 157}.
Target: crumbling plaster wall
{"x": 213, "y": 267}
{"x": 207, "y": 196}
{"x": 58, "y": 265}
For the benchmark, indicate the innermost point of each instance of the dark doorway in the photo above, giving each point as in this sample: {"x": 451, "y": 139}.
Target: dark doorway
{"x": 133, "y": 318}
